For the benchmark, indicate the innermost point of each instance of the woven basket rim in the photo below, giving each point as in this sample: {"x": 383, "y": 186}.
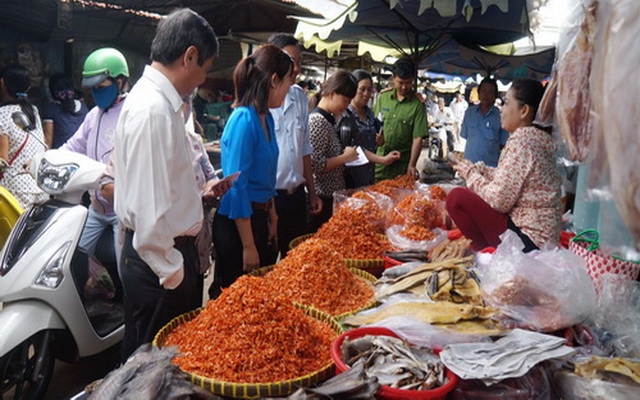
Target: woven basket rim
{"x": 261, "y": 389}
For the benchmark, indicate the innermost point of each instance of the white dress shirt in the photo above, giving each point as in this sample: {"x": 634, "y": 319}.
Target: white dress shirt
{"x": 156, "y": 194}
{"x": 292, "y": 134}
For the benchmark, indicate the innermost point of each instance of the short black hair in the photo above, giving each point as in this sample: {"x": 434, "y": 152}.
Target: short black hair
{"x": 361, "y": 74}
{"x": 283, "y": 40}
{"x": 404, "y": 68}
{"x": 492, "y": 82}
{"x": 181, "y": 29}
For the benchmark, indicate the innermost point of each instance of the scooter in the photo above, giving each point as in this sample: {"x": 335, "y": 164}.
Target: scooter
{"x": 436, "y": 143}
{"x": 45, "y": 314}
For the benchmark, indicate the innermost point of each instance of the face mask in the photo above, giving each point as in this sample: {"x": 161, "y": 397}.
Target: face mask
{"x": 105, "y": 96}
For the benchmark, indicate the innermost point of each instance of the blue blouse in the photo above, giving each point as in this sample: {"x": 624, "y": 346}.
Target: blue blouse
{"x": 244, "y": 147}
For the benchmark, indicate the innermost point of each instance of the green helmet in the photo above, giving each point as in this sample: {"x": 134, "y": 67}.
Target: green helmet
{"x": 102, "y": 64}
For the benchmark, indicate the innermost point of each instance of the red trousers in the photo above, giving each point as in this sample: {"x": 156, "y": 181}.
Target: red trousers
{"x": 475, "y": 218}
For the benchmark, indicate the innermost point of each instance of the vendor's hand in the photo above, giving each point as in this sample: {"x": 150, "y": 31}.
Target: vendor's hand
{"x": 462, "y": 167}
{"x": 413, "y": 172}
{"x": 250, "y": 259}
{"x": 315, "y": 204}
{"x": 391, "y": 157}
{"x": 380, "y": 138}
{"x": 350, "y": 154}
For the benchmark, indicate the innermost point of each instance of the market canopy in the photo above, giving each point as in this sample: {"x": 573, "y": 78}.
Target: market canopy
{"x": 461, "y": 34}
{"x": 131, "y": 24}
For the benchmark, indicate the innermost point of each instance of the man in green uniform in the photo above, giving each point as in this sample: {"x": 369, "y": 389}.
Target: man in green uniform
{"x": 405, "y": 122}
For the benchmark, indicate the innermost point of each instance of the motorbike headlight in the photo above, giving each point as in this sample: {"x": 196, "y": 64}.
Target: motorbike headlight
{"x": 51, "y": 275}
{"x": 53, "y": 178}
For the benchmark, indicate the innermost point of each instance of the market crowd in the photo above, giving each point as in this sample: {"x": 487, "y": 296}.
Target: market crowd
{"x": 282, "y": 161}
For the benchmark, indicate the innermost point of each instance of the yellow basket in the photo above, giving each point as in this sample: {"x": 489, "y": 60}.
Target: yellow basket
{"x": 374, "y": 266}
{"x": 256, "y": 390}
{"x": 10, "y": 211}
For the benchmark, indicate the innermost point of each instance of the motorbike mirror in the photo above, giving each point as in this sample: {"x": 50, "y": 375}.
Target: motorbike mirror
{"x": 22, "y": 121}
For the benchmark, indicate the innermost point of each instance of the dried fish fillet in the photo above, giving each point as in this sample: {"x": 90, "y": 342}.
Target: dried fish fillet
{"x": 441, "y": 312}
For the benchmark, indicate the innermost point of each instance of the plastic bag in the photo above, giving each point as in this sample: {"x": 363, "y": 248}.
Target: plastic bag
{"x": 372, "y": 204}
{"x": 534, "y": 385}
{"x": 615, "y": 165}
{"x": 616, "y": 314}
{"x": 574, "y": 387}
{"x": 396, "y": 236}
{"x": 413, "y": 222}
{"x": 544, "y": 290}
{"x": 99, "y": 283}
{"x": 427, "y": 335}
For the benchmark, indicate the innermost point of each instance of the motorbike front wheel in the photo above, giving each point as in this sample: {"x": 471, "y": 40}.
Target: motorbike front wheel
{"x": 26, "y": 370}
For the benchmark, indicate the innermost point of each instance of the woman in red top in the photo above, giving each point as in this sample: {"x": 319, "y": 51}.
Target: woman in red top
{"x": 523, "y": 192}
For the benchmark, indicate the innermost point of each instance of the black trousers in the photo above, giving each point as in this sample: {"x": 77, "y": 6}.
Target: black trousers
{"x": 450, "y": 140}
{"x": 292, "y": 217}
{"x": 148, "y": 306}
{"x": 228, "y": 245}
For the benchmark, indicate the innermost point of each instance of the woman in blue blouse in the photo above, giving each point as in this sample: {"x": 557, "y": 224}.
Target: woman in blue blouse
{"x": 244, "y": 227}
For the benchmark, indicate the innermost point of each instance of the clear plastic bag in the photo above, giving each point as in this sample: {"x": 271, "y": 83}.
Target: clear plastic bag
{"x": 574, "y": 387}
{"x": 374, "y": 205}
{"x": 545, "y": 290}
{"x": 401, "y": 242}
{"x": 616, "y": 314}
{"x": 427, "y": 335}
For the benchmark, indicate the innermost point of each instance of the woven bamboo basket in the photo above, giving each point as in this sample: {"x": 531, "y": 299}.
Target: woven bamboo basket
{"x": 256, "y": 390}
{"x": 374, "y": 266}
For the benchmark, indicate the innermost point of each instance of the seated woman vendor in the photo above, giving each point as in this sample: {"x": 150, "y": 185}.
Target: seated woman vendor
{"x": 523, "y": 192}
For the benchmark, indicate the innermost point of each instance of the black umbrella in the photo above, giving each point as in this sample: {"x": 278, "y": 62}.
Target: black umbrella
{"x": 443, "y": 36}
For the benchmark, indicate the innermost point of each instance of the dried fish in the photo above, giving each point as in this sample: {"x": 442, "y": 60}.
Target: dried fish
{"x": 149, "y": 374}
{"x": 442, "y": 312}
{"x": 441, "y": 281}
{"x": 395, "y": 363}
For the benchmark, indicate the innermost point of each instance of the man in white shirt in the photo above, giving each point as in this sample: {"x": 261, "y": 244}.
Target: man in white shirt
{"x": 458, "y": 106}
{"x": 294, "y": 160}
{"x": 157, "y": 199}
{"x": 443, "y": 119}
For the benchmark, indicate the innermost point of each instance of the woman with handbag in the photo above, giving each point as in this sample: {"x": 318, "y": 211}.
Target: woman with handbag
{"x": 21, "y": 136}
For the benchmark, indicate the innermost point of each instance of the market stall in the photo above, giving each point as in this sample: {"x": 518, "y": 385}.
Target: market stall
{"x": 390, "y": 297}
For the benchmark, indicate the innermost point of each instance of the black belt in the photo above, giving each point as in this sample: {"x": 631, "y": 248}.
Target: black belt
{"x": 178, "y": 241}
{"x": 289, "y": 192}
{"x": 263, "y": 206}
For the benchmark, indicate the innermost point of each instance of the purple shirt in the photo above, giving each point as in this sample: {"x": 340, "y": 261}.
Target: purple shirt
{"x": 95, "y": 139}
